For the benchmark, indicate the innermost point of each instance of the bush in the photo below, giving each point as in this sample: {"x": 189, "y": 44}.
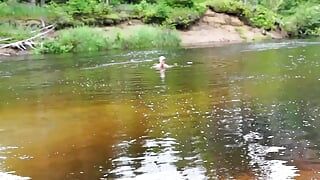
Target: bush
{"x": 259, "y": 16}
{"x": 156, "y": 13}
{"x": 83, "y": 12}
{"x": 146, "y": 37}
{"x": 180, "y": 3}
{"x": 79, "y": 39}
{"x": 16, "y": 32}
{"x": 263, "y": 18}
{"x": 228, "y": 6}
{"x": 182, "y": 18}
{"x": 162, "y": 13}
{"x": 78, "y": 8}
{"x": 84, "y": 39}
{"x": 306, "y": 21}
{"x": 14, "y": 10}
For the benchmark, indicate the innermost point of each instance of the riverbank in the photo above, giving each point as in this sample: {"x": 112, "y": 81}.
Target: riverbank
{"x": 95, "y": 26}
{"x": 220, "y": 28}
{"x": 213, "y": 29}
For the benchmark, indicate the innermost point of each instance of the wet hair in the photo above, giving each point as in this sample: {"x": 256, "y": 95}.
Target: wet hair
{"x": 161, "y": 58}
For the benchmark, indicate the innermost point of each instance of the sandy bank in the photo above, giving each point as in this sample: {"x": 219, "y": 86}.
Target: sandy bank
{"x": 218, "y": 28}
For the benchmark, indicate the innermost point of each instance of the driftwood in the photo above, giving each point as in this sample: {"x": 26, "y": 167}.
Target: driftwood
{"x": 23, "y": 44}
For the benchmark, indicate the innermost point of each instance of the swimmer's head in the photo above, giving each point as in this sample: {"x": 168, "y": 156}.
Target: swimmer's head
{"x": 162, "y": 59}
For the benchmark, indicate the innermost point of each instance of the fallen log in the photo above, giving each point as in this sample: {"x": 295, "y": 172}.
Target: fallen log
{"x": 44, "y": 28}
{"x": 21, "y": 45}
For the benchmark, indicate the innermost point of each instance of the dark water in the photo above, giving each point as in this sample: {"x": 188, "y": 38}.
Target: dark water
{"x": 235, "y": 112}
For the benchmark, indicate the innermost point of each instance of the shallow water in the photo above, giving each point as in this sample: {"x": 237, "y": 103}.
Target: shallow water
{"x": 248, "y": 111}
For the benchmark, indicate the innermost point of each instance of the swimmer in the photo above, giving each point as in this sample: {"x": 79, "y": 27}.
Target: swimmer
{"x": 162, "y": 64}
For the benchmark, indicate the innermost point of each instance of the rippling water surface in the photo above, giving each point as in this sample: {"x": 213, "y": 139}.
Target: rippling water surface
{"x": 236, "y": 112}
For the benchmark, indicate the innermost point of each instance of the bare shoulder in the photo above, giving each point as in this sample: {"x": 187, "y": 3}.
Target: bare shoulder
{"x": 167, "y": 66}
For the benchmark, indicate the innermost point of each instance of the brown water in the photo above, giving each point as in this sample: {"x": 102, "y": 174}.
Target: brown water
{"x": 236, "y": 112}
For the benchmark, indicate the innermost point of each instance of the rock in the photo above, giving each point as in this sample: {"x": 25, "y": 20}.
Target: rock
{"x": 277, "y": 35}
{"x": 213, "y": 20}
{"x": 264, "y": 32}
{"x": 209, "y": 13}
{"x": 235, "y": 21}
{"x": 7, "y": 52}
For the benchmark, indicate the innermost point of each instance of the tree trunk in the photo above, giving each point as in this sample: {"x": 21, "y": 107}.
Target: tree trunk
{"x": 42, "y": 2}
{"x": 33, "y": 2}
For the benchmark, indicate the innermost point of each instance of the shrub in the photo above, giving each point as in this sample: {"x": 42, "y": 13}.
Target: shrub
{"x": 17, "y": 32}
{"x": 306, "y": 21}
{"x": 263, "y": 18}
{"x": 86, "y": 7}
{"x": 162, "y": 13}
{"x": 156, "y": 13}
{"x": 14, "y": 10}
{"x": 84, "y": 39}
{"x": 79, "y": 39}
{"x": 83, "y": 12}
{"x": 259, "y": 16}
{"x": 146, "y": 36}
{"x": 182, "y": 18}
{"x": 180, "y": 3}
{"x": 228, "y": 6}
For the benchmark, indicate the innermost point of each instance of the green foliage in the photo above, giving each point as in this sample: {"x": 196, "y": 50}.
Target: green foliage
{"x": 288, "y": 7}
{"x": 263, "y": 18}
{"x": 61, "y": 17}
{"x": 80, "y": 39}
{"x": 257, "y": 16}
{"x": 91, "y": 12}
{"x": 180, "y": 3}
{"x": 87, "y": 7}
{"x": 156, "y": 13}
{"x": 300, "y": 17}
{"x": 306, "y": 20}
{"x": 17, "y": 32}
{"x": 86, "y": 39}
{"x": 146, "y": 36}
{"x": 182, "y": 18}
{"x": 171, "y": 16}
{"x": 14, "y": 10}
{"x": 228, "y": 6}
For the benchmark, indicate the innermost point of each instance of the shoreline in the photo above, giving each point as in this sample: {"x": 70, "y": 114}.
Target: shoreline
{"x": 212, "y": 30}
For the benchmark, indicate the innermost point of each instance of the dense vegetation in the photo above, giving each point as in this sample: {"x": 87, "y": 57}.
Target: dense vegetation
{"x": 86, "y": 39}
{"x": 19, "y": 18}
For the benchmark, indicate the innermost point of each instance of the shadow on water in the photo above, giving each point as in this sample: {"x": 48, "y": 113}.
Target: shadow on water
{"x": 236, "y": 112}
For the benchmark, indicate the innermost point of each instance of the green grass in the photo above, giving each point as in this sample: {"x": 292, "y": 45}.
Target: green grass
{"x": 15, "y": 32}
{"x": 87, "y": 39}
{"x": 14, "y": 10}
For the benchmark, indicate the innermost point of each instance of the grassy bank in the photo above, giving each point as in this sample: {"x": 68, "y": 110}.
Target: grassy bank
{"x": 86, "y": 39}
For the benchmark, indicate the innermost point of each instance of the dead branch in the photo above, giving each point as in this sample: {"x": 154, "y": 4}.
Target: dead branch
{"x": 5, "y": 39}
{"x": 44, "y": 28}
{"x": 21, "y": 45}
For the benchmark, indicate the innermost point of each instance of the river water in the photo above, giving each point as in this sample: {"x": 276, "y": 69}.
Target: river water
{"x": 248, "y": 111}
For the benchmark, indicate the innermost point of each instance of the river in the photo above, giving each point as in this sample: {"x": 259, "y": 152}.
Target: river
{"x": 246, "y": 111}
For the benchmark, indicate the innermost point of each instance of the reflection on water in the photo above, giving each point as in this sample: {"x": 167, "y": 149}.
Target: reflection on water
{"x": 156, "y": 162}
{"x": 238, "y": 112}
